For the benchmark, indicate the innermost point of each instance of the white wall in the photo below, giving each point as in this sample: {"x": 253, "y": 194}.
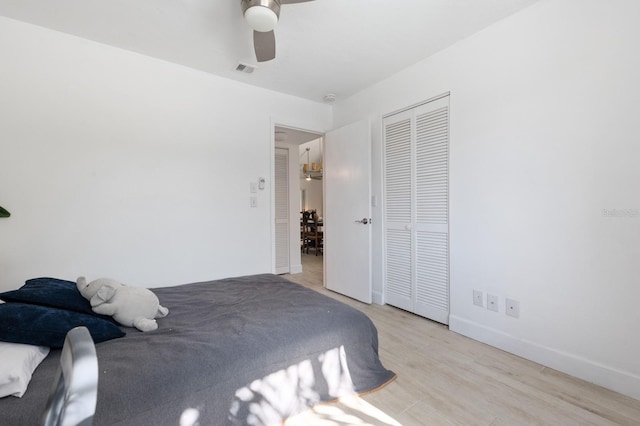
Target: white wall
{"x": 544, "y": 137}
{"x": 116, "y": 164}
{"x": 314, "y": 194}
{"x": 314, "y": 189}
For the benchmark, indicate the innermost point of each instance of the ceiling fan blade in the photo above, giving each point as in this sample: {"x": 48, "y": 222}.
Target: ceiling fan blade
{"x": 293, "y": 1}
{"x": 264, "y": 45}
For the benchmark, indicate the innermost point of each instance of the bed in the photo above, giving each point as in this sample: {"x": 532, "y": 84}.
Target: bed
{"x": 245, "y": 350}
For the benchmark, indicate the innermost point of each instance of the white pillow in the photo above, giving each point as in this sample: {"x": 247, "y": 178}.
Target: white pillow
{"x": 18, "y": 363}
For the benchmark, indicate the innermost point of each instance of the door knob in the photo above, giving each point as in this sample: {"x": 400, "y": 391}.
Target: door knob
{"x": 364, "y": 221}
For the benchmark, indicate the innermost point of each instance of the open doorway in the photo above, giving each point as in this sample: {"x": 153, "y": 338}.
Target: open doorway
{"x": 300, "y": 178}
{"x": 347, "y": 208}
{"x": 312, "y": 196}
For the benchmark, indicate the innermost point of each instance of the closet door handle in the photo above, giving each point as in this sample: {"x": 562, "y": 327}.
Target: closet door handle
{"x": 363, "y": 221}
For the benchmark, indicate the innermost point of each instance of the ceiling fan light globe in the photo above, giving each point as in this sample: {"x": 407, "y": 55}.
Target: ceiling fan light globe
{"x": 261, "y": 19}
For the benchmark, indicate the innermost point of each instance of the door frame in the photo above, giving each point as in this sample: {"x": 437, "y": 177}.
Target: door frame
{"x": 294, "y": 192}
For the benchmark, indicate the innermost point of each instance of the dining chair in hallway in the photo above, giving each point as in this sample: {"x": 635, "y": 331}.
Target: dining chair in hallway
{"x": 314, "y": 237}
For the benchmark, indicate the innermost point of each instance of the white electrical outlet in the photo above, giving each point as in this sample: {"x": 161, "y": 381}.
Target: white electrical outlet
{"x": 478, "y": 298}
{"x": 512, "y": 308}
{"x": 253, "y": 201}
{"x": 492, "y": 302}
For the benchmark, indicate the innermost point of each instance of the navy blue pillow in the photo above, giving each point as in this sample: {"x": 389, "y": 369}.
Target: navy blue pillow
{"x": 52, "y": 292}
{"x": 46, "y": 326}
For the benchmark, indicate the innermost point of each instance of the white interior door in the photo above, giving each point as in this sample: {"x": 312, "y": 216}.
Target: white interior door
{"x": 347, "y": 195}
{"x": 281, "y": 188}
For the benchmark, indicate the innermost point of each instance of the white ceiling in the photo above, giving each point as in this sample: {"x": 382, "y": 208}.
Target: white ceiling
{"x": 323, "y": 46}
{"x": 294, "y": 136}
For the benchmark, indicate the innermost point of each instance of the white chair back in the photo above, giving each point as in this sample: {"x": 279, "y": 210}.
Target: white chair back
{"x": 73, "y": 398}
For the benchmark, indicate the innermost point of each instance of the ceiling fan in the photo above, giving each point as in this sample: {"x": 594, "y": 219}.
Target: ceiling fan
{"x": 262, "y": 16}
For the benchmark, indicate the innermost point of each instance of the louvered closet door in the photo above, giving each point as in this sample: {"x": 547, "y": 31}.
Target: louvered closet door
{"x": 416, "y": 196}
{"x": 281, "y": 189}
{"x": 432, "y": 210}
{"x": 398, "y": 134}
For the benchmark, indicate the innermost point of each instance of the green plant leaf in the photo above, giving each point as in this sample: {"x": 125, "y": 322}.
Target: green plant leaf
{"x": 4, "y": 213}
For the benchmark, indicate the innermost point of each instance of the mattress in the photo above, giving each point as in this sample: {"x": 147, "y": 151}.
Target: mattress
{"x": 245, "y": 350}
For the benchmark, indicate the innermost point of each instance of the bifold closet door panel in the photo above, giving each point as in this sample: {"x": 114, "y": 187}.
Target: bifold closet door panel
{"x": 281, "y": 210}
{"x": 432, "y": 210}
{"x": 398, "y": 189}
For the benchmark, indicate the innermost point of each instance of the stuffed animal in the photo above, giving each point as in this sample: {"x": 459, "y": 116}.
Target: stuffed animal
{"x": 130, "y": 306}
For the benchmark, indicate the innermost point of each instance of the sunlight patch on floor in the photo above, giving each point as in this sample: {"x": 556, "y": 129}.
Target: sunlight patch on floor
{"x": 350, "y": 410}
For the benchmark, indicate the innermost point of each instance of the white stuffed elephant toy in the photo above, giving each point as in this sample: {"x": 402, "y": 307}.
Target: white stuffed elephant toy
{"x": 130, "y": 306}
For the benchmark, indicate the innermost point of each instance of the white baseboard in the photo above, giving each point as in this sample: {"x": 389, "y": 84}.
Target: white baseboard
{"x": 295, "y": 269}
{"x": 611, "y": 378}
{"x": 376, "y": 297}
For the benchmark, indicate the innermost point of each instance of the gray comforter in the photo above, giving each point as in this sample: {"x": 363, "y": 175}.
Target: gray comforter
{"x": 247, "y": 350}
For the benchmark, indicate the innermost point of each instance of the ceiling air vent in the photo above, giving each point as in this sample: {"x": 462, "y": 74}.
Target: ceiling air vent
{"x": 245, "y": 68}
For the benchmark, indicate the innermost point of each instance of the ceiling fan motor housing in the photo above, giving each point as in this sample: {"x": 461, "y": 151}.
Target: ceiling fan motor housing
{"x": 261, "y": 15}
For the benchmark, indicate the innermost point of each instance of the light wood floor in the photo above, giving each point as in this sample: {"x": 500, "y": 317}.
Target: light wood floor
{"x": 445, "y": 378}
